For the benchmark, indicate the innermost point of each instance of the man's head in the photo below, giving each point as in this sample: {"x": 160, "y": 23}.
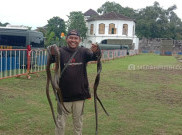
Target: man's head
{"x": 73, "y": 39}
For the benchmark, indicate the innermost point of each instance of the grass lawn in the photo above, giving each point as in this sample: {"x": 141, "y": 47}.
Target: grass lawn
{"x": 144, "y": 101}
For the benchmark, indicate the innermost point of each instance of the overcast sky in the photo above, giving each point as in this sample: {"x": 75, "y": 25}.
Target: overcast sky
{"x": 35, "y": 13}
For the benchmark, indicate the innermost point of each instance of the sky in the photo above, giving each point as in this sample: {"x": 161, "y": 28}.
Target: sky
{"x": 35, "y": 13}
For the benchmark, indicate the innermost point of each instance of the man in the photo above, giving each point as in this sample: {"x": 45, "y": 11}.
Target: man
{"x": 74, "y": 81}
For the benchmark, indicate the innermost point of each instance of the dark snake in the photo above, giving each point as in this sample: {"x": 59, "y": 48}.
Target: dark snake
{"x": 55, "y": 81}
{"x": 97, "y": 79}
{"x": 56, "y": 88}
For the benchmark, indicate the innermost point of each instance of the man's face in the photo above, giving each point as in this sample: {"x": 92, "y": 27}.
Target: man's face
{"x": 73, "y": 41}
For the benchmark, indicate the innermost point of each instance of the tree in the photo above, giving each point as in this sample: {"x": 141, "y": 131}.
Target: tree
{"x": 129, "y": 12}
{"x": 42, "y": 29}
{"x": 151, "y": 22}
{"x": 117, "y": 8}
{"x": 109, "y": 7}
{"x": 76, "y": 21}
{"x": 158, "y": 22}
{"x": 56, "y": 25}
{"x": 51, "y": 39}
{"x": 1, "y": 24}
{"x": 54, "y": 28}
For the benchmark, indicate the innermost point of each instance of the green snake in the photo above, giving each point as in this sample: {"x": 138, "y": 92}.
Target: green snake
{"x": 97, "y": 79}
{"x": 55, "y": 81}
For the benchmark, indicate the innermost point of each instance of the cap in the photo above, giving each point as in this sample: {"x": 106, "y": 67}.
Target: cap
{"x": 73, "y": 32}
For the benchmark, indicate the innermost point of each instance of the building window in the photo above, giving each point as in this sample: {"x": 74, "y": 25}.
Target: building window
{"x": 112, "y": 29}
{"x": 125, "y": 29}
{"x": 91, "y": 29}
{"x": 101, "y": 28}
{"x": 133, "y": 30}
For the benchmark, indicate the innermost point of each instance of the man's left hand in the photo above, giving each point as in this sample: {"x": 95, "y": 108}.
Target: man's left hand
{"x": 94, "y": 48}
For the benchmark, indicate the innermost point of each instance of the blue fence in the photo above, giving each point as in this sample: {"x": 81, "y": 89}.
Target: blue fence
{"x": 145, "y": 51}
{"x": 169, "y": 53}
{"x": 179, "y": 53}
{"x": 157, "y": 52}
{"x": 41, "y": 60}
{"x": 16, "y": 62}
{"x": 9, "y": 63}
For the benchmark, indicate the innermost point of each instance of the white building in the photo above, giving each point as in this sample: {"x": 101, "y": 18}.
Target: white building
{"x": 110, "y": 28}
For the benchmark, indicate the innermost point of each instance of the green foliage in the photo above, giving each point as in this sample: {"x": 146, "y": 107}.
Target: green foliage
{"x": 115, "y": 7}
{"x": 42, "y": 29}
{"x": 76, "y": 21}
{"x": 55, "y": 27}
{"x": 109, "y": 7}
{"x": 4, "y": 24}
{"x": 51, "y": 38}
{"x": 151, "y": 22}
{"x": 156, "y": 22}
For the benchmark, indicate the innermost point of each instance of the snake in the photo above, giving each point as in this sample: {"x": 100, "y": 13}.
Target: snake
{"x": 56, "y": 88}
{"x": 96, "y": 83}
{"x": 54, "y": 81}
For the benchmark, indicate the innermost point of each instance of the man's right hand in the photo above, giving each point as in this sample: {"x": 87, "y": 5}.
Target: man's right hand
{"x": 52, "y": 48}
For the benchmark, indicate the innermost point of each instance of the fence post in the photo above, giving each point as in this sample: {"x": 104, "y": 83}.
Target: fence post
{"x": 113, "y": 54}
{"x": 28, "y": 60}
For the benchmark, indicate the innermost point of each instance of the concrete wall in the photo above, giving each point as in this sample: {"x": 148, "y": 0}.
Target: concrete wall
{"x": 158, "y": 44}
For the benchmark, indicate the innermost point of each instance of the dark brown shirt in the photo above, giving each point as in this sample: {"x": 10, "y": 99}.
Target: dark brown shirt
{"x": 74, "y": 82}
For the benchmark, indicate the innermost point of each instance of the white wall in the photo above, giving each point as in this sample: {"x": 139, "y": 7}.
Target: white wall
{"x": 96, "y": 37}
{"x": 118, "y": 26}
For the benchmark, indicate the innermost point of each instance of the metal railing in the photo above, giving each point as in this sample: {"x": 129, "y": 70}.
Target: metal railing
{"x": 38, "y": 60}
{"x": 112, "y": 54}
{"x": 17, "y": 62}
{"x": 162, "y": 52}
{"x": 12, "y": 62}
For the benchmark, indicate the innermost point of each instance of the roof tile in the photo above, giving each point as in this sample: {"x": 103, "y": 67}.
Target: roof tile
{"x": 111, "y": 16}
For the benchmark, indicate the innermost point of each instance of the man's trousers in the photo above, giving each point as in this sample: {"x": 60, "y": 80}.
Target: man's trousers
{"x": 76, "y": 108}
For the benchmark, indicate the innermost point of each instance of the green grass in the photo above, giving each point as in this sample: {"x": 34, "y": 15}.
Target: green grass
{"x": 140, "y": 102}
